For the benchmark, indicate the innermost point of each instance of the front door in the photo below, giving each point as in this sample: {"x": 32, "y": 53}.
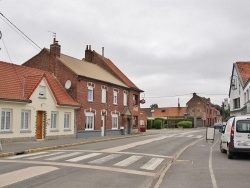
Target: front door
{"x": 39, "y": 125}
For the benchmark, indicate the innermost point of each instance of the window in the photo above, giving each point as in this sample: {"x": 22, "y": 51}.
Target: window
{"x": 6, "y": 119}
{"x": 114, "y": 121}
{"x": 135, "y": 99}
{"x": 90, "y": 93}
{"x": 104, "y": 94}
{"x": 89, "y": 121}
{"x": 66, "y": 120}
{"x": 125, "y": 98}
{"x": 42, "y": 91}
{"x": 53, "y": 124}
{"x": 25, "y": 118}
{"x": 115, "y": 95}
{"x": 236, "y": 103}
{"x": 243, "y": 126}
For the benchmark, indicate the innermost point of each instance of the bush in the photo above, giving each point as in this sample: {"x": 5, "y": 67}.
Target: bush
{"x": 185, "y": 124}
{"x": 149, "y": 124}
{"x": 158, "y": 124}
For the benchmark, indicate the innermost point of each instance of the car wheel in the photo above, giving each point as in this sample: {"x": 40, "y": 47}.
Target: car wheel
{"x": 221, "y": 149}
{"x": 229, "y": 154}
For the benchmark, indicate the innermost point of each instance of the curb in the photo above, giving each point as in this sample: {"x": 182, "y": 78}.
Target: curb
{"x": 7, "y": 154}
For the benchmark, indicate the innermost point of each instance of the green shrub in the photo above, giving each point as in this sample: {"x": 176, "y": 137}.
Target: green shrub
{"x": 185, "y": 124}
{"x": 149, "y": 124}
{"x": 158, "y": 124}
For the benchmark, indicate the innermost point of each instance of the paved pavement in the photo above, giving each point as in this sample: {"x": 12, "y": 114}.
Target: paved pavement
{"x": 15, "y": 148}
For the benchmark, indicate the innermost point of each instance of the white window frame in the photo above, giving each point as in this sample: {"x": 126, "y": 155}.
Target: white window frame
{"x": 67, "y": 120}
{"x": 53, "y": 120}
{"x": 89, "y": 121}
{"x": 104, "y": 94}
{"x": 6, "y": 124}
{"x": 90, "y": 94}
{"x": 25, "y": 120}
{"x": 125, "y": 98}
{"x": 115, "y": 96}
{"x": 42, "y": 92}
{"x": 115, "y": 121}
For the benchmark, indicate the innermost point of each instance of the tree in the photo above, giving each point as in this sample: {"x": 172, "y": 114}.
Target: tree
{"x": 154, "y": 106}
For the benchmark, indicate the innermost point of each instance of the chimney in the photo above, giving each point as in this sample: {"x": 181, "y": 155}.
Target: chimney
{"x": 88, "y": 54}
{"x": 102, "y": 51}
{"x": 55, "y": 48}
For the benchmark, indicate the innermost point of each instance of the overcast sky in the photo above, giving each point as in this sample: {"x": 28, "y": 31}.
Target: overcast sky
{"x": 168, "y": 48}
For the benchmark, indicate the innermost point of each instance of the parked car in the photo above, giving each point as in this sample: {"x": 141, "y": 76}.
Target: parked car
{"x": 235, "y": 136}
{"x": 218, "y": 125}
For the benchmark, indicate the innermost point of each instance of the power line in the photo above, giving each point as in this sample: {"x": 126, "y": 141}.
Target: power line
{"x": 19, "y": 30}
{"x": 184, "y": 95}
{"x": 5, "y": 47}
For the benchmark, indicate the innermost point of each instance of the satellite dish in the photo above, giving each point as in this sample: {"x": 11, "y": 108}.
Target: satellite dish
{"x": 67, "y": 84}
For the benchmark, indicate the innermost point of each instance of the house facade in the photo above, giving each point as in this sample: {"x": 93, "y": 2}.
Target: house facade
{"x": 34, "y": 105}
{"x": 110, "y": 102}
{"x": 203, "y": 111}
{"x": 239, "y": 89}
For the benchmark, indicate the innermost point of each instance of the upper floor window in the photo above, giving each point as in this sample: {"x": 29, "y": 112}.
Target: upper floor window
{"x": 89, "y": 121}
{"x": 135, "y": 99}
{"x": 53, "y": 124}
{"x": 125, "y": 98}
{"x": 67, "y": 120}
{"x": 90, "y": 93}
{"x": 104, "y": 94}
{"x": 42, "y": 91}
{"x": 114, "y": 121}
{"x": 115, "y": 96}
{"x": 6, "y": 117}
{"x": 25, "y": 120}
{"x": 236, "y": 103}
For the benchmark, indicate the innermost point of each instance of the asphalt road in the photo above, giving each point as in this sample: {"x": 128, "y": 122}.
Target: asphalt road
{"x": 168, "y": 158}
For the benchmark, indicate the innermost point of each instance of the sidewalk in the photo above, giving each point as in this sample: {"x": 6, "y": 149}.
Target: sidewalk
{"x": 16, "y": 148}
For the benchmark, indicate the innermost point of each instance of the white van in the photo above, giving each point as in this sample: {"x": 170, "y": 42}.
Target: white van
{"x": 235, "y": 136}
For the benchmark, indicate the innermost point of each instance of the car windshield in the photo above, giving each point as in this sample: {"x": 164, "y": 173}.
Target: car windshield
{"x": 243, "y": 126}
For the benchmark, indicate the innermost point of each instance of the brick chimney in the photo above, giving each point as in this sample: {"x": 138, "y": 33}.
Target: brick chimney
{"x": 88, "y": 54}
{"x": 55, "y": 48}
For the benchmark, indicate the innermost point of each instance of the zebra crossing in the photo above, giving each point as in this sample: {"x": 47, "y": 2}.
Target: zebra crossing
{"x": 118, "y": 160}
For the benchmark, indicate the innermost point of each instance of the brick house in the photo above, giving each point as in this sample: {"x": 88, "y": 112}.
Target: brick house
{"x": 34, "y": 105}
{"x": 110, "y": 101}
{"x": 203, "y": 111}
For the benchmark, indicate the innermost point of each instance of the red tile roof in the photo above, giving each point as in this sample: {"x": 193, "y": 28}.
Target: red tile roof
{"x": 169, "y": 112}
{"x": 17, "y": 83}
{"x": 244, "y": 70}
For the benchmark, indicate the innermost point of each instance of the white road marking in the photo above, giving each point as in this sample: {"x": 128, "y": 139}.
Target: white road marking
{"x": 25, "y": 155}
{"x": 131, "y": 145}
{"x": 128, "y": 161}
{"x": 63, "y": 156}
{"x": 45, "y": 155}
{"x": 104, "y": 159}
{"x": 80, "y": 158}
{"x": 24, "y": 174}
{"x": 152, "y": 164}
{"x": 73, "y": 165}
{"x": 211, "y": 166}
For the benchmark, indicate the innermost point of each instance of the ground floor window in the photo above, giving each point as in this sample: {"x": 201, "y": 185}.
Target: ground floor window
{"x": 53, "y": 124}
{"x": 89, "y": 121}
{"x": 67, "y": 120}
{"x": 25, "y": 120}
{"x": 6, "y": 116}
{"x": 114, "y": 121}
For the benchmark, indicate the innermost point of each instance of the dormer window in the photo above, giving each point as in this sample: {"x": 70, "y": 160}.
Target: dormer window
{"x": 42, "y": 92}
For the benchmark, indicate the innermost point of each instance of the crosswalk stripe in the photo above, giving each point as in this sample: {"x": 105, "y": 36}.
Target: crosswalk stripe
{"x": 152, "y": 164}
{"x": 128, "y": 161}
{"x": 63, "y": 156}
{"x": 23, "y": 174}
{"x": 45, "y": 155}
{"x": 104, "y": 159}
{"x": 25, "y": 155}
{"x": 80, "y": 158}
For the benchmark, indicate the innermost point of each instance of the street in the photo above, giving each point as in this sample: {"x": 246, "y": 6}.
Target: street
{"x": 165, "y": 158}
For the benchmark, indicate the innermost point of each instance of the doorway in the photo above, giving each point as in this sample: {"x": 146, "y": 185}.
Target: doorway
{"x": 103, "y": 125}
{"x": 39, "y": 125}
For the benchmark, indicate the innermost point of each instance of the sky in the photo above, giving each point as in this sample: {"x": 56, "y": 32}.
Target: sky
{"x": 168, "y": 48}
